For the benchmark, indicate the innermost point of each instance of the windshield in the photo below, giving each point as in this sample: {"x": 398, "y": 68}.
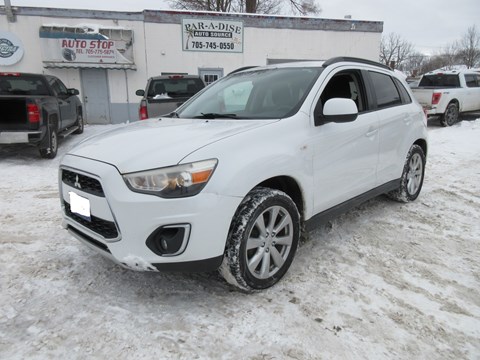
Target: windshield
{"x": 440, "y": 80}
{"x": 257, "y": 94}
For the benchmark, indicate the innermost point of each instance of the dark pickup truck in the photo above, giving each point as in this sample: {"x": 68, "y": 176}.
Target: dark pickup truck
{"x": 37, "y": 109}
{"x": 163, "y": 94}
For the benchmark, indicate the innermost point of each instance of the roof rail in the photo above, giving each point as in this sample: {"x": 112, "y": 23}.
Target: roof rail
{"x": 354, "y": 59}
{"x": 241, "y": 69}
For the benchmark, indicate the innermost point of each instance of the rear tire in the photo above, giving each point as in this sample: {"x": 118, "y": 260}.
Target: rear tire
{"x": 262, "y": 240}
{"x": 50, "y": 151}
{"x": 80, "y": 124}
{"x": 451, "y": 115}
{"x": 412, "y": 176}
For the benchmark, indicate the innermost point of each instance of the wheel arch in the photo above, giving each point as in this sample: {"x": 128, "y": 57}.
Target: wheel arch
{"x": 290, "y": 187}
{"x": 53, "y": 121}
{"x": 423, "y": 144}
{"x": 456, "y": 102}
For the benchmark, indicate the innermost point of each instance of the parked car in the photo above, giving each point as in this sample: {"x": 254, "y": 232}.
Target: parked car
{"x": 231, "y": 178}
{"x": 36, "y": 109}
{"x": 448, "y": 94}
{"x": 163, "y": 94}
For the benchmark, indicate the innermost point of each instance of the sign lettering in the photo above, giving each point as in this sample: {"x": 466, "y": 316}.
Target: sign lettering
{"x": 212, "y": 35}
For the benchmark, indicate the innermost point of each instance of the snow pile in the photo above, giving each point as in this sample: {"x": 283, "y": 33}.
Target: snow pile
{"x": 385, "y": 280}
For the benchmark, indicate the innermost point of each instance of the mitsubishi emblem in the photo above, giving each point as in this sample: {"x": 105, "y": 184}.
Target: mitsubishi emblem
{"x": 77, "y": 183}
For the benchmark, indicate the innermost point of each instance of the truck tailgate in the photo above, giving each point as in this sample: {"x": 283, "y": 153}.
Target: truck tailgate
{"x": 423, "y": 96}
{"x": 14, "y": 113}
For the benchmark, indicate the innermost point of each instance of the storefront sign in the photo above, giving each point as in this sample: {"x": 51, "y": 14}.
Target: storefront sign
{"x": 212, "y": 35}
{"x": 81, "y": 47}
{"x": 11, "y": 48}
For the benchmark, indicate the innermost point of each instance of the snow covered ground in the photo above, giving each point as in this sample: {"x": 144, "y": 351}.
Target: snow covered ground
{"x": 385, "y": 280}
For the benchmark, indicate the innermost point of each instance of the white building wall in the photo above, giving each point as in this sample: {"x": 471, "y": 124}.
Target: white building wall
{"x": 158, "y": 48}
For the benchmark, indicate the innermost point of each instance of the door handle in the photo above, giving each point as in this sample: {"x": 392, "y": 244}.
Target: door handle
{"x": 371, "y": 132}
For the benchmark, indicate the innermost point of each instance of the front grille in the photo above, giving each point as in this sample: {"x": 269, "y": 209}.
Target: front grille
{"x": 103, "y": 227}
{"x": 82, "y": 182}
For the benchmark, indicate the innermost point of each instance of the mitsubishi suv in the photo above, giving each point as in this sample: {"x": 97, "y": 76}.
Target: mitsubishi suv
{"x": 231, "y": 178}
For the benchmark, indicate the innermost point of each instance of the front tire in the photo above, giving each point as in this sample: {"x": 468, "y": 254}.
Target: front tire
{"x": 262, "y": 240}
{"x": 412, "y": 176}
{"x": 451, "y": 115}
{"x": 50, "y": 151}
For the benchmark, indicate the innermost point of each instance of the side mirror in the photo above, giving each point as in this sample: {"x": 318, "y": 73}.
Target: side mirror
{"x": 140, "y": 92}
{"x": 72, "y": 92}
{"x": 337, "y": 110}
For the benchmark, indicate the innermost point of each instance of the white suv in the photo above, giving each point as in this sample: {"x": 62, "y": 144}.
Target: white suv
{"x": 228, "y": 181}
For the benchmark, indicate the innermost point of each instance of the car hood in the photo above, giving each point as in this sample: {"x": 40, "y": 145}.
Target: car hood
{"x": 158, "y": 143}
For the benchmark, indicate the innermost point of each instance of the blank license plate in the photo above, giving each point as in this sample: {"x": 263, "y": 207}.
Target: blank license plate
{"x": 80, "y": 205}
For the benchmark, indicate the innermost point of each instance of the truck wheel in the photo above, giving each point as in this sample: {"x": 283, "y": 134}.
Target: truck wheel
{"x": 412, "y": 176}
{"x": 451, "y": 115}
{"x": 50, "y": 151}
{"x": 80, "y": 124}
{"x": 262, "y": 240}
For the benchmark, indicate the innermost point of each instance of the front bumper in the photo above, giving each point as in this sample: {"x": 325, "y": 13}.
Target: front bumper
{"x": 121, "y": 221}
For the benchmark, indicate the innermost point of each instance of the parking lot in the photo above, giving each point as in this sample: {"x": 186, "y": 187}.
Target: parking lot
{"x": 385, "y": 280}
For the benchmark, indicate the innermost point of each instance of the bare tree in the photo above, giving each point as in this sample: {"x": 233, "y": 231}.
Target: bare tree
{"x": 394, "y": 50}
{"x": 301, "y": 7}
{"x": 469, "y": 47}
{"x": 414, "y": 63}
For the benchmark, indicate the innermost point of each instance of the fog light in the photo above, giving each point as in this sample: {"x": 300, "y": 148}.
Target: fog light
{"x": 169, "y": 240}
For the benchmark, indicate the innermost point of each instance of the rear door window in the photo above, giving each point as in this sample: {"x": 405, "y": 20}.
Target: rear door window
{"x": 387, "y": 94}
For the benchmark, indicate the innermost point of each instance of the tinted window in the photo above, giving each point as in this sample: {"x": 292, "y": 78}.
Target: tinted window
{"x": 440, "y": 80}
{"x": 385, "y": 90}
{"x": 406, "y": 99}
{"x": 22, "y": 85}
{"x": 472, "y": 80}
{"x": 58, "y": 86}
{"x": 174, "y": 87}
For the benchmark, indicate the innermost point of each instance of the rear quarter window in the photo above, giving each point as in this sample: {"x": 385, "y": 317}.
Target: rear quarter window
{"x": 472, "y": 80}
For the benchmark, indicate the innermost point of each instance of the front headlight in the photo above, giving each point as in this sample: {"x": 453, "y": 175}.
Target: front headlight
{"x": 172, "y": 182}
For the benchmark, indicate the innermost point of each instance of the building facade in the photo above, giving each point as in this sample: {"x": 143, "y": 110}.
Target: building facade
{"x": 108, "y": 55}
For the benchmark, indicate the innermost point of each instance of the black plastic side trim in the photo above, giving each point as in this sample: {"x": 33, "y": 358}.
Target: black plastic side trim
{"x": 335, "y": 211}
{"x": 206, "y": 265}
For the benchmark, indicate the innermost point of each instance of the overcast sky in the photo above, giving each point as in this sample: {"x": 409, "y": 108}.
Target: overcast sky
{"x": 428, "y": 24}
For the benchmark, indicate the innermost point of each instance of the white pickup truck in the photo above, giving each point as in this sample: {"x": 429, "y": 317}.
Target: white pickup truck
{"x": 449, "y": 93}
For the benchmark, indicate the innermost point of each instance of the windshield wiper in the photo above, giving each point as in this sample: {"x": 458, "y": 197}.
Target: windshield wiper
{"x": 216, "y": 116}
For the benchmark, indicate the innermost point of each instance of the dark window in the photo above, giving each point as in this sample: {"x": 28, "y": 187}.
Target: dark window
{"x": 210, "y": 78}
{"x": 386, "y": 92}
{"x": 440, "y": 80}
{"x": 406, "y": 99}
{"x": 58, "y": 87}
{"x": 174, "y": 87}
{"x": 23, "y": 85}
{"x": 472, "y": 80}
